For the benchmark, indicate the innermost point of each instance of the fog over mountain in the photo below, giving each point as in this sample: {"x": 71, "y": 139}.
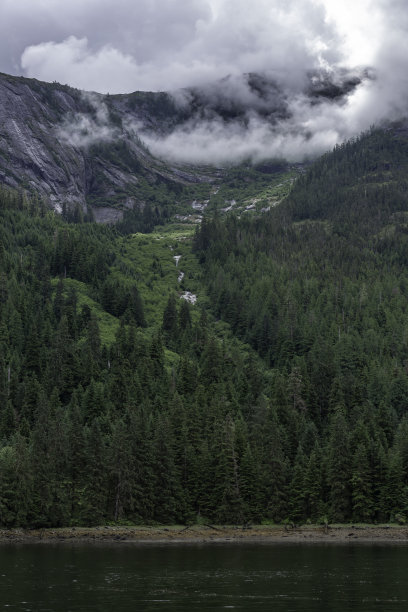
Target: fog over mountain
{"x": 257, "y": 117}
{"x": 324, "y": 73}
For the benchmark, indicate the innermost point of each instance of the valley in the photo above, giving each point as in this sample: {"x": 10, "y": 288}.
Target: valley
{"x": 232, "y": 350}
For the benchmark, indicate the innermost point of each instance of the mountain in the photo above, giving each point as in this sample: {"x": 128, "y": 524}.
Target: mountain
{"x": 81, "y": 149}
{"x": 233, "y": 350}
{"x": 253, "y": 369}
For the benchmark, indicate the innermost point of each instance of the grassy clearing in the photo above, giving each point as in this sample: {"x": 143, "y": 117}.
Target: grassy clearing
{"x": 273, "y": 193}
{"x": 148, "y": 260}
{"x": 243, "y": 191}
{"x": 108, "y": 324}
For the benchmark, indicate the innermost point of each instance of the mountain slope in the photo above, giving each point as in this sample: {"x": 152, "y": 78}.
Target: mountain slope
{"x": 75, "y": 148}
{"x": 280, "y": 395}
{"x": 83, "y": 150}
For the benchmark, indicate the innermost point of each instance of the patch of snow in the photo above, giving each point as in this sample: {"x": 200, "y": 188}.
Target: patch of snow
{"x": 177, "y": 259}
{"x": 196, "y": 205}
{"x": 250, "y": 207}
{"x": 180, "y": 277}
{"x": 57, "y": 207}
{"x": 189, "y": 297}
{"x": 267, "y": 209}
{"x": 231, "y": 203}
{"x": 183, "y": 217}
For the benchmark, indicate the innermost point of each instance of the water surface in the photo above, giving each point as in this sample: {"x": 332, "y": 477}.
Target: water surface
{"x": 245, "y": 577}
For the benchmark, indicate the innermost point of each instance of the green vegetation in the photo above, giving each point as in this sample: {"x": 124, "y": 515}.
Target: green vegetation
{"x": 279, "y": 396}
{"x": 149, "y": 259}
{"x": 96, "y": 396}
{"x": 108, "y": 324}
{"x": 318, "y": 287}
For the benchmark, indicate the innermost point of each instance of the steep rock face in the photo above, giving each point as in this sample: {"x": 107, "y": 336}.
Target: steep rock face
{"x": 78, "y": 148}
{"x": 31, "y": 155}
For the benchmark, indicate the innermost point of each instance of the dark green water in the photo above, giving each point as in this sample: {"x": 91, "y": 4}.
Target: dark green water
{"x": 203, "y": 577}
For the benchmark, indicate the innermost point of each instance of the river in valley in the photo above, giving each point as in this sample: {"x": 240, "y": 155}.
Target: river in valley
{"x": 196, "y": 577}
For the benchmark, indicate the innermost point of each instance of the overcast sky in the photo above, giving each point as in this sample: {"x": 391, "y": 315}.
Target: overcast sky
{"x": 126, "y": 45}
{"x": 120, "y": 46}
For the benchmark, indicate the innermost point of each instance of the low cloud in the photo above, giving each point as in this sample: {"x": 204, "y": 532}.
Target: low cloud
{"x": 218, "y": 144}
{"x": 83, "y": 130}
{"x": 171, "y": 45}
{"x": 270, "y": 121}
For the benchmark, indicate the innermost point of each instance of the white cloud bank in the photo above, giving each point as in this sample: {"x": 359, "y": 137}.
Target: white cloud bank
{"x": 84, "y": 130}
{"x": 122, "y": 46}
{"x": 125, "y": 46}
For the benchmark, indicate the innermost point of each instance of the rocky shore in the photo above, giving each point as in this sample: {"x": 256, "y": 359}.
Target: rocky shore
{"x": 392, "y": 534}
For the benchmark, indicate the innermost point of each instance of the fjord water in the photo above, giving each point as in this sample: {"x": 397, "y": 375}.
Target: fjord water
{"x": 54, "y": 578}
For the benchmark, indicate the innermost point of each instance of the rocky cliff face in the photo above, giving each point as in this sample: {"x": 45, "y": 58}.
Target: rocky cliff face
{"x": 31, "y": 154}
{"x": 79, "y": 148}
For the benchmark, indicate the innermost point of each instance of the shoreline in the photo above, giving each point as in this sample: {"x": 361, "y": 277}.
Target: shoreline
{"x": 197, "y": 534}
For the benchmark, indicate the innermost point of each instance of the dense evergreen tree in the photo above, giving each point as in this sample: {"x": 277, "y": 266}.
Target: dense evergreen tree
{"x": 284, "y": 398}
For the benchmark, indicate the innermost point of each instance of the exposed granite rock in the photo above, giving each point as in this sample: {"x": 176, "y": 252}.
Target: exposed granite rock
{"x": 76, "y": 148}
{"x": 30, "y": 152}
{"x": 81, "y": 148}
{"x": 103, "y": 214}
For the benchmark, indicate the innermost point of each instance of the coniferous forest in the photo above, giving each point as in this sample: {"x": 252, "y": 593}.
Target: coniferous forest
{"x": 281, "y": 396}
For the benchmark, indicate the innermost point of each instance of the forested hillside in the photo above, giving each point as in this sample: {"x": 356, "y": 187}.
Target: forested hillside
{"x": 105, "y": 415}
{"x": 319, "y": 288}
{"x": 281, "y": 394}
